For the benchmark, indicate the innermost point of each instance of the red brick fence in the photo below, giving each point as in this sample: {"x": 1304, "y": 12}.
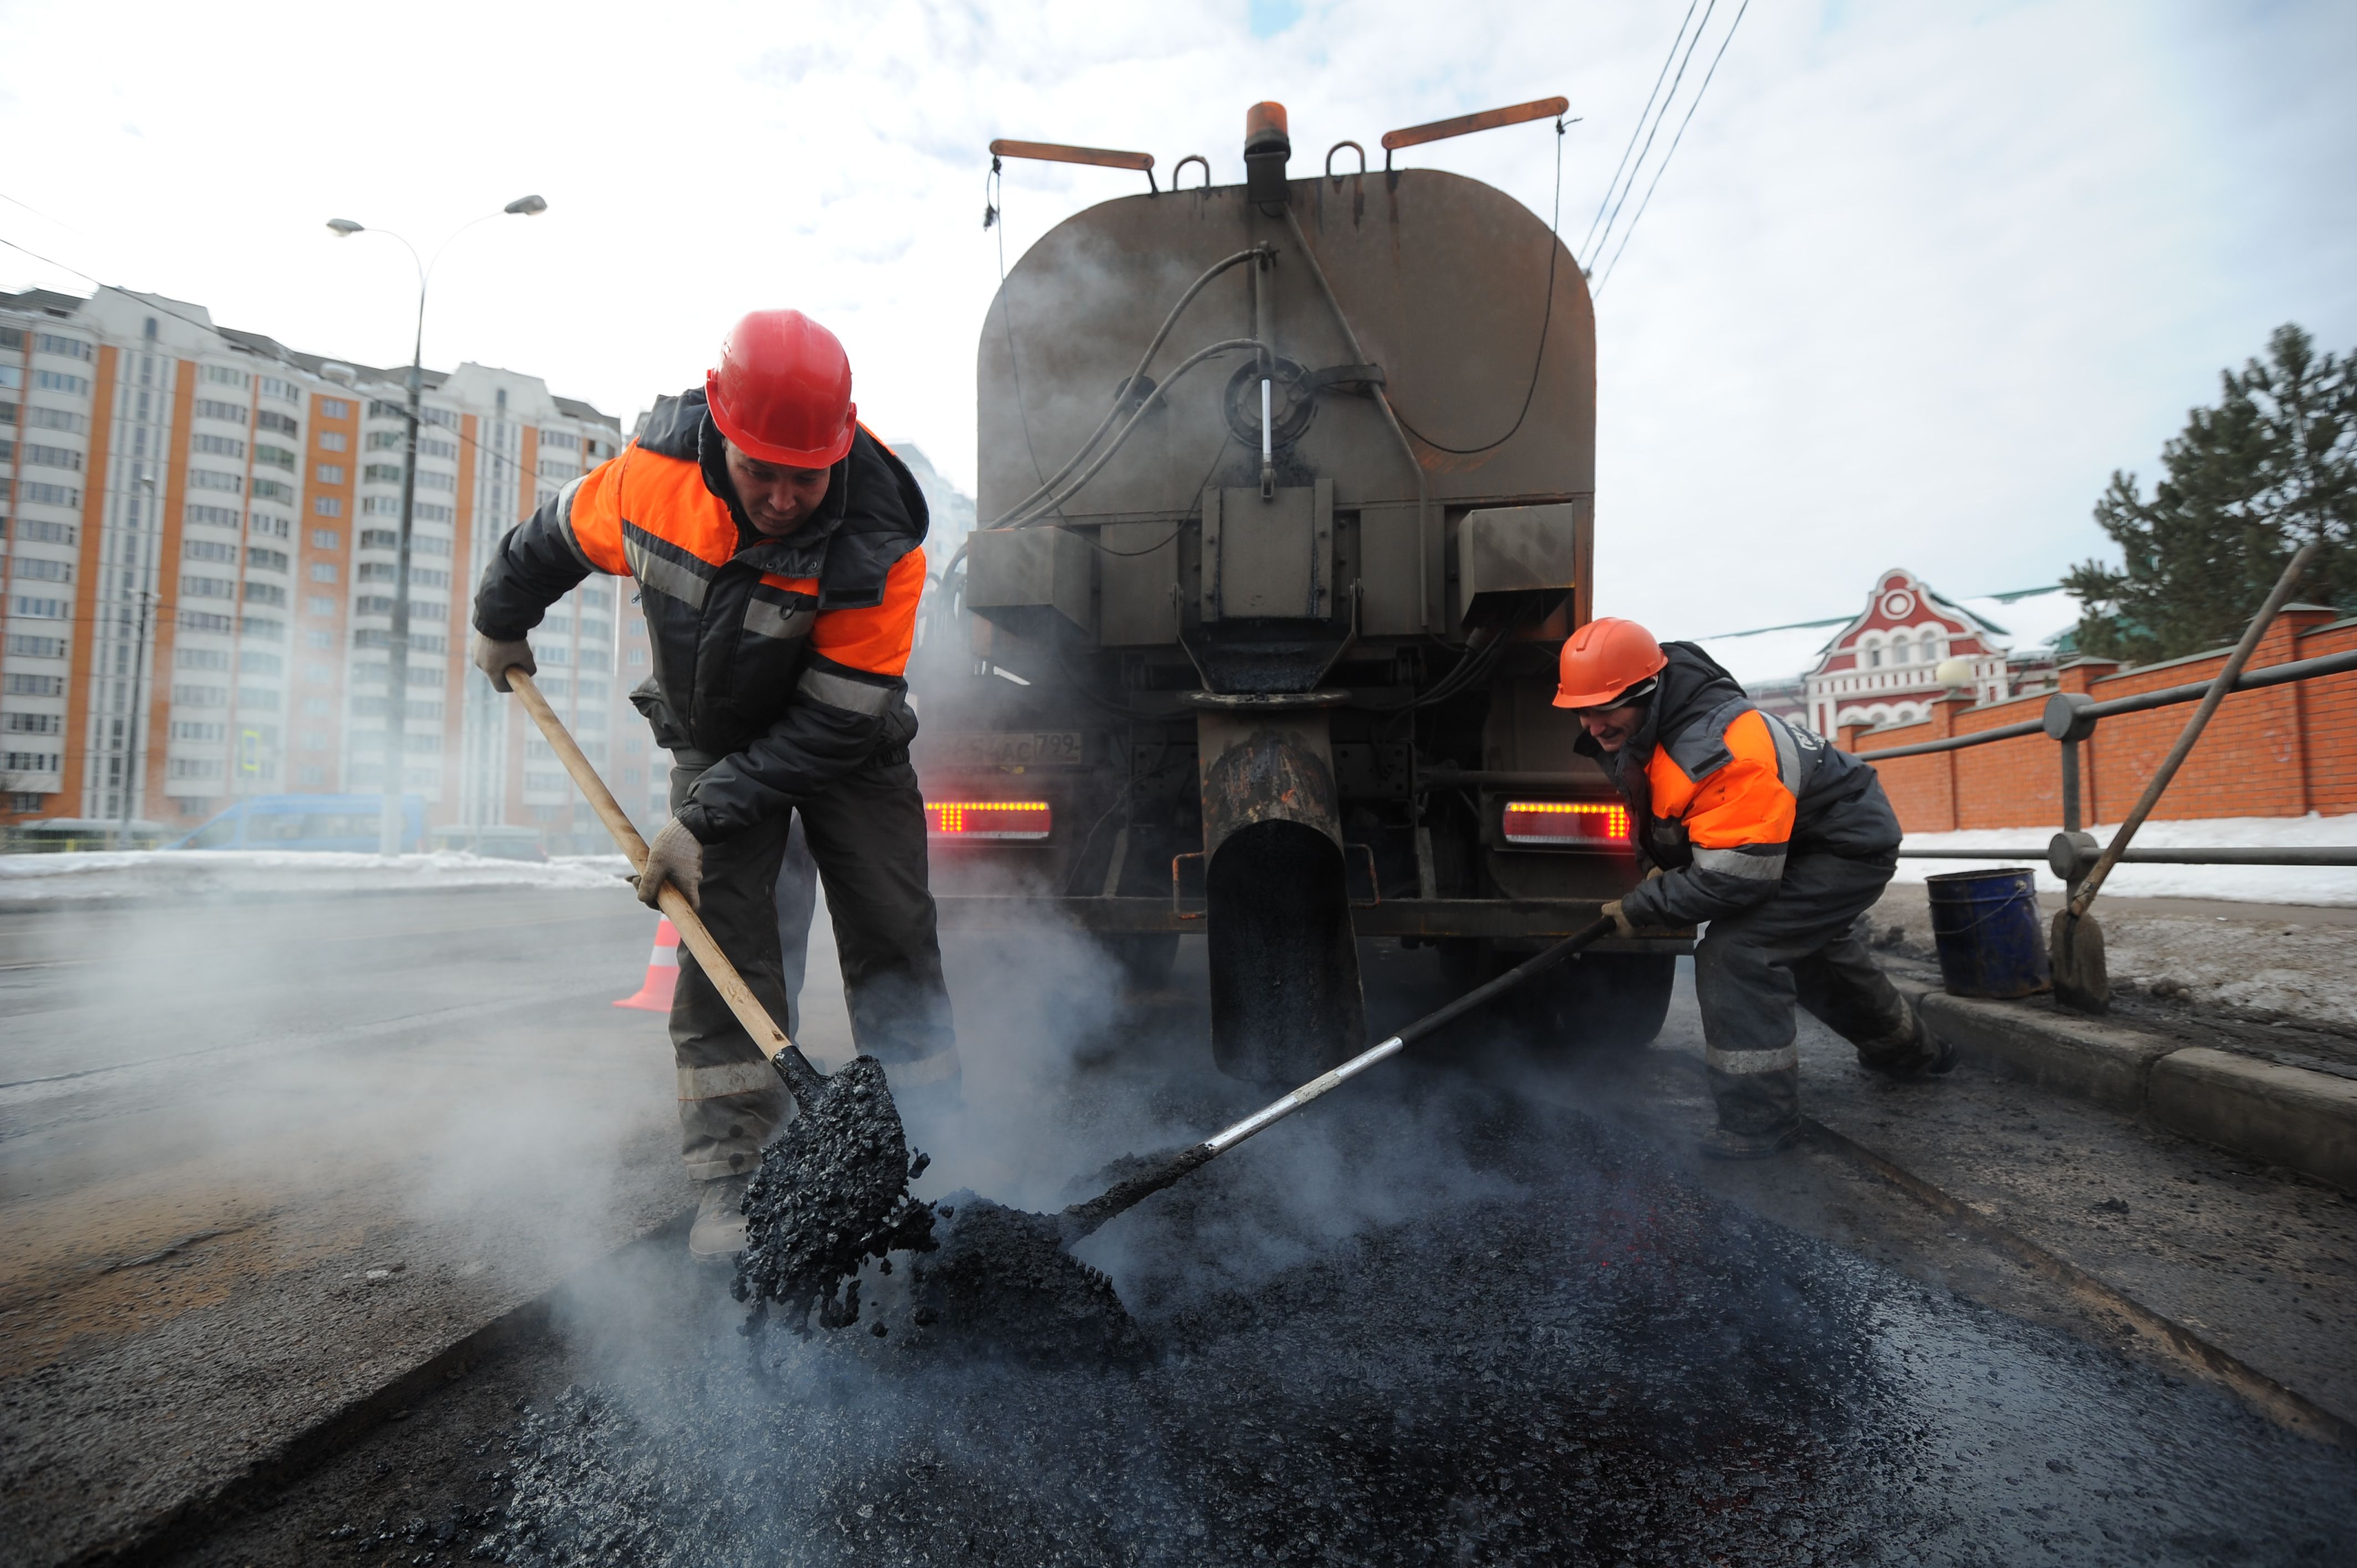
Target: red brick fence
{"x": 2282, "y": 751}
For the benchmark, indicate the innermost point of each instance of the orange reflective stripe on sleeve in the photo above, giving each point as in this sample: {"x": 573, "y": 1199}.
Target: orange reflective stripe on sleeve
{"x": 596, "y": 517}
{"x": 877, "y": 638}
{"x": 1746, "y": 801}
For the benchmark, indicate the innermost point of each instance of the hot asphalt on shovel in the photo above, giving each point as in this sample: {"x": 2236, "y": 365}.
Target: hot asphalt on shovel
{"x": 2075, "y": 941}
{"x": 832, "y": 1189}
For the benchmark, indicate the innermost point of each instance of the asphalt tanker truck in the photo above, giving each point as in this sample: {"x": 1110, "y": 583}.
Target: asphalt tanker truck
{"x": 1287, "y": 501}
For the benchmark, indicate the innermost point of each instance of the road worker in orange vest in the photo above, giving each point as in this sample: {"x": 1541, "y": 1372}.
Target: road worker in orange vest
{"x": 1781, "y": 842}
{"x": 777, "y": 548}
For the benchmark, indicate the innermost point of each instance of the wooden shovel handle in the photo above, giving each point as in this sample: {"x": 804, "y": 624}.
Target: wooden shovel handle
{"x": 771, "y": 1040}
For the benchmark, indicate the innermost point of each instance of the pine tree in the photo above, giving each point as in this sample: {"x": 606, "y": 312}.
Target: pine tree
{"x": 2249, "y": 481}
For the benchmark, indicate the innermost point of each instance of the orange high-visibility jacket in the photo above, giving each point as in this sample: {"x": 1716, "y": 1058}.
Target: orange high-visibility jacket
{"x": 1723, "y": 794}
{"x": 783, "y": 658}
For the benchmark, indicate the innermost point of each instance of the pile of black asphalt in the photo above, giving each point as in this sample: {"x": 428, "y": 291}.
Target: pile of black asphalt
{"x": 1441, "y": 1324}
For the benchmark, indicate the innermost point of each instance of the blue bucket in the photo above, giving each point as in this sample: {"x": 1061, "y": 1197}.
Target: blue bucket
{"x": 1985, "y": 926}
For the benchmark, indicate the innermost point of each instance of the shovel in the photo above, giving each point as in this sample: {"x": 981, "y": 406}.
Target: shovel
{"x": 802, "y": 1079}
{"x": 833, "y": 1187}
{"x": 2075, "y": 941}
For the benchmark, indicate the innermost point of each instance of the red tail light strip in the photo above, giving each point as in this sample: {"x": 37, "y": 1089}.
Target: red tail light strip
{"x": 1002, "y": 820}
{"x": 1556, "y": 824}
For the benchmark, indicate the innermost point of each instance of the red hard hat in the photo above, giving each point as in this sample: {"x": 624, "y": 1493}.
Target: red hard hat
{"x": 782, "y": 392}
{"x": 1604, "y": 659}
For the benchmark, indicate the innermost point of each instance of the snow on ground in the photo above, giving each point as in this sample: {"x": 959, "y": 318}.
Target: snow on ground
{"x": 147, "y": 873}
{"x": 2240, "y": 884}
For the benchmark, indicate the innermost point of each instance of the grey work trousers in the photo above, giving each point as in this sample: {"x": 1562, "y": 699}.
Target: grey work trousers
{"x": 1806, "y": 943}
{"x": 867, "y": 835}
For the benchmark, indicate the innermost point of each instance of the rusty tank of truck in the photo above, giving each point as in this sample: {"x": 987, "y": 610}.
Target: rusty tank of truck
{"x": 1286, "y": 502}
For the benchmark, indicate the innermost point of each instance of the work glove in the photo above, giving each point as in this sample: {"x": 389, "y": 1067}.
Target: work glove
{"x": 1620, "y": 925}
{"x": 674, "y": 857}
{"x": 495, "y": 658}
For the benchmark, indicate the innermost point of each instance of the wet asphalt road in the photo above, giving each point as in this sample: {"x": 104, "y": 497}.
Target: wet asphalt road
{"x": 1440, "y": 1320}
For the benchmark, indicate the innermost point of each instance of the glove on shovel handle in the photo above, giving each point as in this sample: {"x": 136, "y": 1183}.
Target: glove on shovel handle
{"x": 801, "y": 1077}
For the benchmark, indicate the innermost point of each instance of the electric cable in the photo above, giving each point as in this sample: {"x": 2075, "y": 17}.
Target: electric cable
{"x": 1145, "y": 406}
{"x": 1637, "y": 128}
{"x": 1606, "y": 237}
{"x": 1546, "y": 321}
{"x": 1681, "y": 136}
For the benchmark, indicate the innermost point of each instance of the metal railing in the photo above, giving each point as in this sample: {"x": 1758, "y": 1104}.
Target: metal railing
{"x": 2070, "y": 718}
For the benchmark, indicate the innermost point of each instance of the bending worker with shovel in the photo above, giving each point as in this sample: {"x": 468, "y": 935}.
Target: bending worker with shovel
{"x": 1779, "y": 841}
{"x": 777, "y": 547}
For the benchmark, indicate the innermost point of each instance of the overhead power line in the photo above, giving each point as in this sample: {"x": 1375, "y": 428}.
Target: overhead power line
{"x": 1637, "y": 130}
{"x": 1691, "y": 107}
{"x": 1654, "y": 130}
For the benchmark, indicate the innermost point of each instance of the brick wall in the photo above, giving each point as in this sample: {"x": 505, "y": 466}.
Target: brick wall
{"x": 2281, "y": 752}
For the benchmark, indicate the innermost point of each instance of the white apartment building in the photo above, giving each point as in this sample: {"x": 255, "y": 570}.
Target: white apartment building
{"x": 199, "y": 528}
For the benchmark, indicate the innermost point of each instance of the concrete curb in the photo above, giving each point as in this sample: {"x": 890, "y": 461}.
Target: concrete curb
{"x": 2279, "y": 1115}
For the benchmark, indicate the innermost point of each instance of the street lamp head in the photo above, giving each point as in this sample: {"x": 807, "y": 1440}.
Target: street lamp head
{"x": 344, "y": 227}
{"x": 525, "y": 205}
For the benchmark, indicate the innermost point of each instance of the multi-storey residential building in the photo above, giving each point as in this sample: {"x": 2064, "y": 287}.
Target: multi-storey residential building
{"x": 199, "y": 526}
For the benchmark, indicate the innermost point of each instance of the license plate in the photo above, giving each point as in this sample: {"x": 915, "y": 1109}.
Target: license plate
{"x": 1018, "y": 748}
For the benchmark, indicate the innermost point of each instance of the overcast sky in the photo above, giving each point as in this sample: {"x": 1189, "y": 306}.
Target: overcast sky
{"x": 1917, "y": 279}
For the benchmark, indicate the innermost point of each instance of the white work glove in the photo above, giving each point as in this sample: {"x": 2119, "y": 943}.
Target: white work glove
{"x": 674, "y": 857}
{"x": 495, "y": 658}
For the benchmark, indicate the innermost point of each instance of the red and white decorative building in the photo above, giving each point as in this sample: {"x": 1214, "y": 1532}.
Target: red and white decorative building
{"x": 1908, "y": 648}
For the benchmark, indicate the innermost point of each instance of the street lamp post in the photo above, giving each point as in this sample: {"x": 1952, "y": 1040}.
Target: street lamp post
{"x": 396, "y": 711}
{"x": 133, "y": 753}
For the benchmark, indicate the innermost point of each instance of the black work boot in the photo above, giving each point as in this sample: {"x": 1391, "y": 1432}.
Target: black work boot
{"x": 1923, "y": 1054}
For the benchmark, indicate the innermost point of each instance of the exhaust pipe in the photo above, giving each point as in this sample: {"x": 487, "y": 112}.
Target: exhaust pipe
{"x": 1285, "y": 997}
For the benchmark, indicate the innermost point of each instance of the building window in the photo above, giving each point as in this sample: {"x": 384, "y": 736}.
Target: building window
{"x": 222, "y": 375}
{"x": 318, "y": 640}
{"x": 218, "y": 446}
{"x": 273, "y": 491}
{"x": 214, "y": 479}
{"x": 320, "y": 604}
{"x": 63, "y": 419}
{"x": 276, "y": 457}
{"x": 323, "y": 570}
{"x": 41, "y": 530}
{"x": 334, "y": 408}
{"x": 264, "y": 558}
{"x": 59, "y": 381}
{"x": 37, "y": 609}
{"x": 52, "y": 457}
{"x": 228, "y": 412}
{"x": 208, "y": 549}
{"x": 214, "y": 516}
{"x": 48, "y": 495}
{"x": 333, "y": 441}
{"x": 330, "y": 473}
{"x": 285, "y": 391}
{"x": 36, "y": 724}
{"x": 37, "y": 647}
{"x": 64, "y": 348}
{"x": 327, "y": 539}
{"x": 40, "y": 571}
{"x": 262, "y": 527}
{"x": 201, "y": 658}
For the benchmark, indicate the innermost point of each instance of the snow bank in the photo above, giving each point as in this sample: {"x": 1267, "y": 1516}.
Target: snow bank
{"x": 2240, "y": 884}
{"x": 147, "y": 874}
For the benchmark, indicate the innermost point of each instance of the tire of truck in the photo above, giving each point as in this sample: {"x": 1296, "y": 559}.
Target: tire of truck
{"x": 1613, "y": 1001}
{"x": 1144, "y": 956}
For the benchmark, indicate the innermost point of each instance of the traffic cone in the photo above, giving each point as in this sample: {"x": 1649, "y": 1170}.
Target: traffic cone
{"x": 663, "y": 973}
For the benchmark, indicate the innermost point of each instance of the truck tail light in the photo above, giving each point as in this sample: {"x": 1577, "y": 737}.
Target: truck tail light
{"x": 1020, "y": 820}
{"x": 1561, "y": 824}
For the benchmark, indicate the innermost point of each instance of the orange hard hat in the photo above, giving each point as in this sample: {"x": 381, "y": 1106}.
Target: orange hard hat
{"x": 1602, "y": 659}
{"x": 782, "y": 392}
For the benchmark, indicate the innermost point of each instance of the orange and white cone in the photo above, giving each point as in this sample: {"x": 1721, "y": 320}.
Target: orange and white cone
{"x": 663, "y": 973}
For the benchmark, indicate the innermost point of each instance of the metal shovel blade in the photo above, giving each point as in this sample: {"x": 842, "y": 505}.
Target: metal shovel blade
{"x": 2075, "y": 951}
